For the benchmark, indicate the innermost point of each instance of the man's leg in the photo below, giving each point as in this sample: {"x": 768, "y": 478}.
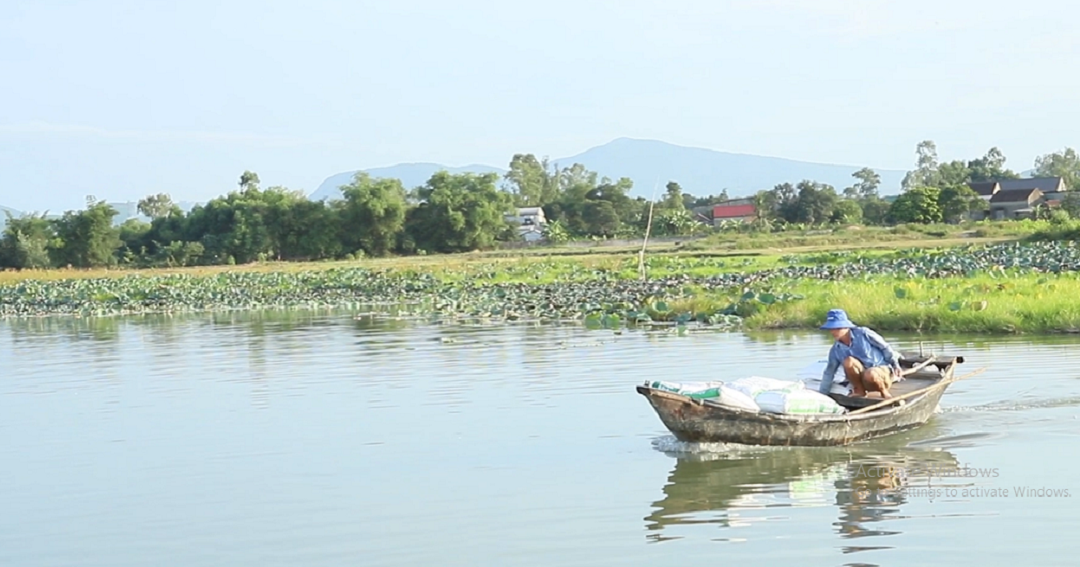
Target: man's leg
{"x": 878, "y": 379}
{"x": 853, "y": 369}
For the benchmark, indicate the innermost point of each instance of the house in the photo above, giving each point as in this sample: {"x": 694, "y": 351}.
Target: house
{"x": 741, "y": 210}
{"x": 1014, "y": 203}
{"x": 530, "y": 223}
{"x": 528, "y": 216}
{"x": 985, "y": 189}
{"x": 531, "y": 233}
{"x": 702, "y": 214}
{"x": 1016, "y": 198}
{"x": 1054, "y": 199}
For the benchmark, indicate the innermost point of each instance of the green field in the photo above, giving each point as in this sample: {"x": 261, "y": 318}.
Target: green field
{"x": 944, "y": 284}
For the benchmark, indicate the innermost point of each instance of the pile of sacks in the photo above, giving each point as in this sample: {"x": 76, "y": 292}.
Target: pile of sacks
{"x": 757, "y": 393}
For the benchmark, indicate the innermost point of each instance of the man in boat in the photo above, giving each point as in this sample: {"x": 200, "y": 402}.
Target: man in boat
{"x": 869, "y": 362}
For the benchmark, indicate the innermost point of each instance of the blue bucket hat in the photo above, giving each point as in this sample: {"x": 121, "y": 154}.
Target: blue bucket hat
{"x": 837, "y": 319}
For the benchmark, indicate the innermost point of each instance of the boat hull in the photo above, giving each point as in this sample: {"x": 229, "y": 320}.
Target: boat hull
{"x": 698, "y": 421}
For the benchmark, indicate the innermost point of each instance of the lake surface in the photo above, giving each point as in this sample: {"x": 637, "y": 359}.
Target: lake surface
{"x": 304, "y": 439}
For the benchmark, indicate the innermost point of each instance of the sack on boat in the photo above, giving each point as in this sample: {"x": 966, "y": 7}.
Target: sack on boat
{"x": 696, "y": 390}
{"x": 797, "y": 402}
{"x": 733, "y": 398}
{"x": 716, "y": 392}
{"x": 754, "y": 385}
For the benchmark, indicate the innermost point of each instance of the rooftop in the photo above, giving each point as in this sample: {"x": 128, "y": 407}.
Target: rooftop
{"x": 1044, "y": 184}
{"x": 733, "y": 211}
{"x": 1015, "y": 195}
{"x": 985, "y": 188}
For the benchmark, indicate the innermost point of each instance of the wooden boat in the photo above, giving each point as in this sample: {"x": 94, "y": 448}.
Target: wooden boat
{"x": 915, "y": 398}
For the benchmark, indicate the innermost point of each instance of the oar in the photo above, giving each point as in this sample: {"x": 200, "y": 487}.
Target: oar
{"x": 888, "y": 401}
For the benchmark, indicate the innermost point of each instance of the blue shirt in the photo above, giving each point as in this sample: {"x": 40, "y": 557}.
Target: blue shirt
{"x": 866, "y": 346}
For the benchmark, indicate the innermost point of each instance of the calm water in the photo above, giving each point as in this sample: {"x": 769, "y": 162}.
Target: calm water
{"x": 328, "y": 440}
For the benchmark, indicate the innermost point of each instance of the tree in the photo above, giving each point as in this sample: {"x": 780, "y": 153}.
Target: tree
{"x": 158, "y": 206}
{"x": 926, "y": 166}
{"x": 767, "y": 206}
{"x": 601, "y": 218}
{"x": 990, "y": 167}
{"x": 178, "y": 253}
{"x": 874, "y": 210}
{"x": 575, "y": 182}
{"x": 26, "y": 241}
{"x": 163, "y": 230}
{"x": 847, "y": 211}
{"x": 784, "y": 201}
{"x": 232, "y": 229}
{"x": 918, "y": 204}
{"x": 249, "y": 180}
{"x": 372, "y": 214}
{"x": 957, "y": 201}
{"x": 1064, "y": 164}
{"x": 673, "y": 198}
{"x": 532, "y": 181}
{"x": 246, "y": 225}
{"x": 311, "y": 230}
{"x": 953, "y": 173}
{"x": 867, "y": 187}
{"x": 690, "y": 201}
{"x": 133, "y": 234}
{"x": 577, "y": 204}
{"x": 674, "y": 223}
{"x": 815, "y": 202}
{"x": 87, "y": 238}
{"x": 1071, "y": 204}
{"x": 555, "y": 233}
{"x": 459, "y": 212}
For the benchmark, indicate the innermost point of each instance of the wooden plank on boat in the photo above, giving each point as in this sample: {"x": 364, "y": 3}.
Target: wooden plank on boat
{"x": 941, "y": 362}
{"x": 893, "y": 400}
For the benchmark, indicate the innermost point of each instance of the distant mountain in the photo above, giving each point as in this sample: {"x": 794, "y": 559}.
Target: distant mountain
{"x": 651, "y": 164}
{"x": 4, "y": 215}
{"x": 410, "y": 174}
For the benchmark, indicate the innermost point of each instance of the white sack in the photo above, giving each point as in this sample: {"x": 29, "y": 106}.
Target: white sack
{"x": 797, "y": 402}
{"x": 754, "y": 385}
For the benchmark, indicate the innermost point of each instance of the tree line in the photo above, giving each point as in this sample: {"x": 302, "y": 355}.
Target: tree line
{"x": 466, "y": 211}
{"x": 933, "y": 192}
{"x": 373, "y": 217}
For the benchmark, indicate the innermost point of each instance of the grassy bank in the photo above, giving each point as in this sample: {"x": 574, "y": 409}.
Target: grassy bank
{"x": 1030, "y": 303}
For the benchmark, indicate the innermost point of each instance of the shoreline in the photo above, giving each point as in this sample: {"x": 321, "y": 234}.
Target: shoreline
{"x": 994, "y": 289}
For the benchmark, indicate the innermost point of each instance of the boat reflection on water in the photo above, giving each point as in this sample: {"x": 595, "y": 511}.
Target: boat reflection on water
{"x": 737, "y": 486}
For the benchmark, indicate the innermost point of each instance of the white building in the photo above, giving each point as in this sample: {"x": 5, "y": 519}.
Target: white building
{"x": 530, "y": 223}
{"x": 528, "y": 216}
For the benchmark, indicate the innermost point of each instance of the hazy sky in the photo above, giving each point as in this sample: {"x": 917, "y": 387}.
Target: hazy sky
{"x": 120, "y": 99}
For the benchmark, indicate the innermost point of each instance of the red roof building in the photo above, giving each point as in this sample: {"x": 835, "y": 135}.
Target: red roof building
{"x": 733, "y": 212}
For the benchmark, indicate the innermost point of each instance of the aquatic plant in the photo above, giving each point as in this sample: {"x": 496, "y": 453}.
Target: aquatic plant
{"x": 681, "y": 290}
